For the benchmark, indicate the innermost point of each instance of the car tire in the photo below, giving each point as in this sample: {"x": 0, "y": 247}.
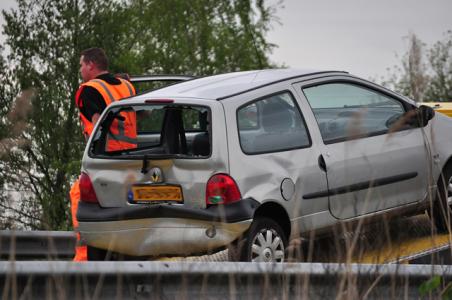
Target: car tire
{"x": 96, "y": 254}
{"x": 442, "y": 214}
{"x": 265, "y": 241}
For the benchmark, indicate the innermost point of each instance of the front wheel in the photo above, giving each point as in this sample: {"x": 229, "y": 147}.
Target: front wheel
{"x": 264, "y": 241}
{"x": 441, "y": 214}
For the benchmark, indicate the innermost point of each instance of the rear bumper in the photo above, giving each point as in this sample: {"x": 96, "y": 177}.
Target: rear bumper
{"x": 143, "y": 230}
{"x": 231, "y": 213}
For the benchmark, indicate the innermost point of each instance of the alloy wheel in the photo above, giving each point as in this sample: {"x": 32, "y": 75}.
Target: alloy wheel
{"x": 449, "y": 191}
{"x": 267, "y": 246}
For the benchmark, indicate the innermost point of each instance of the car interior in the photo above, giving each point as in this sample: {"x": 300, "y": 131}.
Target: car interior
{"x": 168, "y": 130}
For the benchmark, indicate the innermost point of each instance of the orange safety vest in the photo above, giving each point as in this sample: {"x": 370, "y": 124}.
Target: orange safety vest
{"x": 123, "y": 133}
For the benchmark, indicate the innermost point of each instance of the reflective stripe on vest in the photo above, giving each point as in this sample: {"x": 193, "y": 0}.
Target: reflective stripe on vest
{"x": 129, "y": 86}
{"x": 106, "y": 90}
{"x": 121, "y": 136}
{"x": 111, "y": 93}
{"x": 120, "y": 94}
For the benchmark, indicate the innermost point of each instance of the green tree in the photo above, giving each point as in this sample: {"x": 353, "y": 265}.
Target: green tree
{"x": 200, "y": 36}
{"x": 45, "y": 38}
{"x": 4, "y": 107}
{"x": 440, "y": 59}
{"x": 426, "y": 73}
{"x": 411, "y": 78}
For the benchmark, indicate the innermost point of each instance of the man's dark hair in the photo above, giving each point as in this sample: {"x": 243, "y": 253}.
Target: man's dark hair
{"x": 97, "y": 56}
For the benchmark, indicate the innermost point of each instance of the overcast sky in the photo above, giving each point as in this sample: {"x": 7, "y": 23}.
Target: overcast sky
{"x": 359, "y": 36}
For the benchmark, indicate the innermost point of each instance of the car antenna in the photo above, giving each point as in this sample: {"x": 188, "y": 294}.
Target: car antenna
{"x": 255, "y": 46}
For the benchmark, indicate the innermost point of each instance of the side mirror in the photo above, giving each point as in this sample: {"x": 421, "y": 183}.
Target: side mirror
{"x": 424, "y": 114}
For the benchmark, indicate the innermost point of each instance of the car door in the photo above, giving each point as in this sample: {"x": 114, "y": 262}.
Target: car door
{"x": 272, "y": 155}
{"x": 372, "y": 161}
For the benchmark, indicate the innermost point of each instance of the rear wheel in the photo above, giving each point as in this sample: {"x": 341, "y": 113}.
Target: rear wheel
{"x": 265, "y": 241}
{"x": 442, "y": 214}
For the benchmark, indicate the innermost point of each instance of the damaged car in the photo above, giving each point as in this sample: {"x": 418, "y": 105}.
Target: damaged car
{"x": 249, "y": 160}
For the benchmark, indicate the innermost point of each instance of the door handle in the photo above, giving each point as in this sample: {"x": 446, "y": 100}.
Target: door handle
{"x": 322, "y": 163}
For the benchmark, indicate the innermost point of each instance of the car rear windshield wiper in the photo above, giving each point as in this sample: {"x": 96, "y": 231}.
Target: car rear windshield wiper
{"x": 144, "y": 168}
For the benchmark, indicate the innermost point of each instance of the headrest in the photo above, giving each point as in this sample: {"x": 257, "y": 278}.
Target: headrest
{"x": 276, "y": 116}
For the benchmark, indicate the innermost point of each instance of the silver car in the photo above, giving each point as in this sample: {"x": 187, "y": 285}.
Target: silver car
{"x": 249, "y": 160}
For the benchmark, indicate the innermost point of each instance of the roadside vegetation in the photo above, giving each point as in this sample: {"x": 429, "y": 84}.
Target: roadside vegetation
{"x": 41, "y": 144}
{"x": 425, "y": 72}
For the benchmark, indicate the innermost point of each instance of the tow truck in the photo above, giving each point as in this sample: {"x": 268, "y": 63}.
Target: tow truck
{"x": 441, "y": 107}
{"x": 405, "y": 240}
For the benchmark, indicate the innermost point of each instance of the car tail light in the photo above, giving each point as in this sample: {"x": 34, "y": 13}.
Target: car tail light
{"x": 222, "y": 189}
{"x": 87, "y": 193}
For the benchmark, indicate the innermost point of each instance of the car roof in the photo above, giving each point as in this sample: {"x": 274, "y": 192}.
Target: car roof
{"x": 223, "y": 86}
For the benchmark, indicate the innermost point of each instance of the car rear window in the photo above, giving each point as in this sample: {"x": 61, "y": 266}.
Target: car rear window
{"x": 154, "y": 130}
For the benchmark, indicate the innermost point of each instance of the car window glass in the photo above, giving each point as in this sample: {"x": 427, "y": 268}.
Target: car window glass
{"x": 153, "y": 121}
{"x": 273, "y": 123}
{"x": 191, "y": 119}
{"x": 154, "y": 130}
{"x": 247, "y": 117}
{"x": 346, "y": 111}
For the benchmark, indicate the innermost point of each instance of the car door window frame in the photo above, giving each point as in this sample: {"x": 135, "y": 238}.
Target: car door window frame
{"x": 406, "y": 106}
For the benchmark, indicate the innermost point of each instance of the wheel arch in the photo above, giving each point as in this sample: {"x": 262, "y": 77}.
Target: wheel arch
{"x": 442, "y": 169}
{"x": 448, "y": 163}
{"x": 440, "y": 211}
{"x": 277, "y": 213}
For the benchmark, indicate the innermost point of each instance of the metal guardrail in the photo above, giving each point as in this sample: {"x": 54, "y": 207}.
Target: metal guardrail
{"x": 194, "y": 280}
{"x": 59, "y": 245}
{"x": 29, "y": 245}
{"x": 191, "y": 278}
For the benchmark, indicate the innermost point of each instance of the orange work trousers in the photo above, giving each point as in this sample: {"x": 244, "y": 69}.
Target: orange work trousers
{"x": 81, "y": 251}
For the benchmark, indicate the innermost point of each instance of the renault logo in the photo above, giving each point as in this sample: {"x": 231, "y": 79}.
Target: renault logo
{"x": 156, "y": 175}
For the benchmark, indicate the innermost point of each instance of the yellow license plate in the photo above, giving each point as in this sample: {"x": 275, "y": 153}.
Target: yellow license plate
{"x": 157, "y": 193}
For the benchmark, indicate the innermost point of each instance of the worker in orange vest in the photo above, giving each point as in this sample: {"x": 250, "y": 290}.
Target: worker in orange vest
{"x": 98, "y": 90}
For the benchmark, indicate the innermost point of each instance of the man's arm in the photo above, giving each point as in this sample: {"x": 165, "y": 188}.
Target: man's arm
{"x": 92, "y": 105}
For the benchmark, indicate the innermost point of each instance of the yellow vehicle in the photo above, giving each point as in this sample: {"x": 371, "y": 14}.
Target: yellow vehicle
{"x": 442, "y": 107}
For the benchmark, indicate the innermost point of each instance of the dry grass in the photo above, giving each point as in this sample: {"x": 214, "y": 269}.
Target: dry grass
{"x": 345, "y": 246}
{"x": 17, "y": 117}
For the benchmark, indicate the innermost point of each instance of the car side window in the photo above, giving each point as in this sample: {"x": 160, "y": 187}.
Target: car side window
{"x": 271, "y": 124}
{"x": 346, "y": 111}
